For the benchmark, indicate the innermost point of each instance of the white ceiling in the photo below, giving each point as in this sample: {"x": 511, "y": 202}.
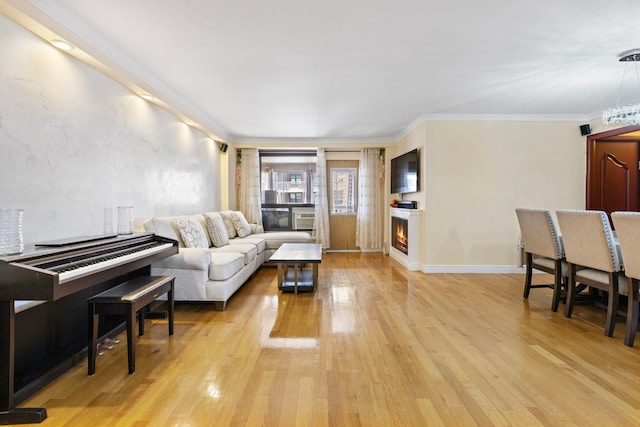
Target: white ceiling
{"x": 357, "y": 70}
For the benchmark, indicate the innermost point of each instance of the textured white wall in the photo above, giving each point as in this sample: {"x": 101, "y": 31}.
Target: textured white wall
{"x": 73, "y": 142}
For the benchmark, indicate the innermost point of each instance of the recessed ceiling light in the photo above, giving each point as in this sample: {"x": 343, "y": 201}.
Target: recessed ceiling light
{"x": 147, "y": 96}
{"x": 62, "y": 45}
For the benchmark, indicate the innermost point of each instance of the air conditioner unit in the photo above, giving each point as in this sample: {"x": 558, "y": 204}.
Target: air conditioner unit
{"x": 303, "y": 218}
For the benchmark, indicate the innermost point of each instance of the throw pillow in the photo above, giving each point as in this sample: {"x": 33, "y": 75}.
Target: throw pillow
{"x": 217, "y": 230}
{"x": 191, "y": 233}
{"x": 241, "y": 224}
{"x": 228, "y": 223}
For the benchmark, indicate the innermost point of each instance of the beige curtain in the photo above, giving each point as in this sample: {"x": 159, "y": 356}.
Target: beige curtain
{"x": 249, "y": 200}
{"x": 321, "y": 224}
{"x": 369, "y": 217}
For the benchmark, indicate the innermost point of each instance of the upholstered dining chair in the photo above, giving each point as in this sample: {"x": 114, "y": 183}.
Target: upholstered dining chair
{"x": 543, "y": 250}
{"x": 628, "y": 231}
{"x": 593, "y": 258}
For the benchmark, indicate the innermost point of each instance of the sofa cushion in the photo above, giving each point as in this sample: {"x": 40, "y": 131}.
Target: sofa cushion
{"x": 241, "y": 224}
{"x": 224, "y": 265}
{"x": 187, "y": 259}
{"x": 166, "y": 226}
{"x": 248, "y": 250}
{"x": 228, "y": 223}
{"x": 191, "y": 233}
{"x": 255, "y": 228}
{"x": 260, "y": 243}
{"x": 216, "y": 229}
{"x": 273, "y": 239}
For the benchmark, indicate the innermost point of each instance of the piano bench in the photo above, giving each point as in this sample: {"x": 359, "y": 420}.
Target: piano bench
{"x": 127, "y": 299}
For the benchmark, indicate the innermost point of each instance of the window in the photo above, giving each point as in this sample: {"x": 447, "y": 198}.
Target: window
{"x": 287, "y": 177}
{"x": 288, "y": 183}
{"x": 343, "y": 191}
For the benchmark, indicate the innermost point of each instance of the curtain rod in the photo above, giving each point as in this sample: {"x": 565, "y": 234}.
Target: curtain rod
{"x": 303, "y": 152}
{"x": 348, "y": 151}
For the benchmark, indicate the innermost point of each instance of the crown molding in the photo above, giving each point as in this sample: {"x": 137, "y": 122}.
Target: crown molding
{"x": 506, "y": 117}
{"x": 314, "y": 142}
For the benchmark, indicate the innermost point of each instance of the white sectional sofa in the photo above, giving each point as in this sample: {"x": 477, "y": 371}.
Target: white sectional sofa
{"x": 213, "y": 261}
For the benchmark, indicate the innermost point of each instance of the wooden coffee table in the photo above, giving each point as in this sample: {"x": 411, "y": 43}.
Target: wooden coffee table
{"x": 297, "y": 255}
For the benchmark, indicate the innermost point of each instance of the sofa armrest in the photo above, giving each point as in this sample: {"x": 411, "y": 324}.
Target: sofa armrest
{"x": 256, "y": 229}
{"x": 187, "y": 259}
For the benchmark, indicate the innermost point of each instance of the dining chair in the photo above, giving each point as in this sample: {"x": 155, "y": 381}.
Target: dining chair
{"x": 543, "y": 251}
{"x": 628, "y": 231}
{"x": 592, "y": 257}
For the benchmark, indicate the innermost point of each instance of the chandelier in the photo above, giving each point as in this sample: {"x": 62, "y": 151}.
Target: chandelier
{"x": 625, "y": 114}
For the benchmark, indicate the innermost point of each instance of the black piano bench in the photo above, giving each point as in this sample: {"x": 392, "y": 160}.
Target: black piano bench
{"x": 127, "y": 299}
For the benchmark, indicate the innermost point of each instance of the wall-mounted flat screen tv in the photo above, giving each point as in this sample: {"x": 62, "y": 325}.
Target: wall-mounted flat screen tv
{"x": 405, "y": 173}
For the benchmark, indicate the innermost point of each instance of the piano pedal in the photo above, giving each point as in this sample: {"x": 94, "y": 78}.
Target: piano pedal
{"x": 101, "y": 349}
{"x": 106, "y": 344}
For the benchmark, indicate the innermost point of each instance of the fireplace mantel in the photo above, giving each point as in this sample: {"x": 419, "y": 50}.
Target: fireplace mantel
{"x": 411, "y": 260}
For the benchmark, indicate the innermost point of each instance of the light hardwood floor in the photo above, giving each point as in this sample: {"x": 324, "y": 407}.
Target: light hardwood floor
{"x": 376, "y": 345}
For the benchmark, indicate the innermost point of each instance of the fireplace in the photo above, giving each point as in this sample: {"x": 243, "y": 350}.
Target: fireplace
{"x": 405, "y": 236}
{"x": 400, "y": 234}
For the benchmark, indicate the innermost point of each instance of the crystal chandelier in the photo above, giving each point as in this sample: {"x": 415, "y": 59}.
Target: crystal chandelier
{"x": 625, "y": 114}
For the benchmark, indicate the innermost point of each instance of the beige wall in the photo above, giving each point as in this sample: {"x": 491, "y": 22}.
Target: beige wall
{"x": 475, "y": 173}
{"x": 473, "y": 176}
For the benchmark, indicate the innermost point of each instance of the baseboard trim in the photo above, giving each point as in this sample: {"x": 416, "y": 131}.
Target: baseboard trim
{"x": 481, "y": 269}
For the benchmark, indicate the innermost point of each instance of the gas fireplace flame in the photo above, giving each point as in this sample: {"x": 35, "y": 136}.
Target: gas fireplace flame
{"x": 400, "y": 235}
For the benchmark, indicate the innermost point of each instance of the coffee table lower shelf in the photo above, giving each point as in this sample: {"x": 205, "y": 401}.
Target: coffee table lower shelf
{"x": 305, "y": 280}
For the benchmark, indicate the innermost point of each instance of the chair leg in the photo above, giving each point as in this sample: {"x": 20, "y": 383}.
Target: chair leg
{"x": 612, "y": 305}
{"x": 633, "y": 307}
{"x": 563, "y": 294}
{"x": 527, "y": 279}
{"x": 571, "y": 282}
{"x": 557, "y": 286}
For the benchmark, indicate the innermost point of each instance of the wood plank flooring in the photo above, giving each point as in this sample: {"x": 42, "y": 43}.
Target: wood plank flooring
{"x": 376, "y": 345}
